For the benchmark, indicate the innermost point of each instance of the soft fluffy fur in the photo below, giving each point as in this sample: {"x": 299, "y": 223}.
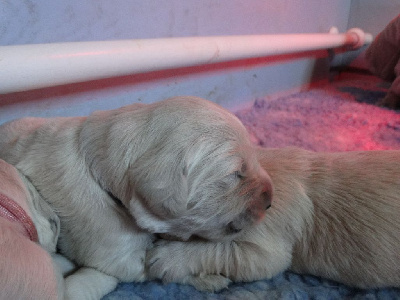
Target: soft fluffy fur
{"x": 183, "y": 166}
{"x": 334, "y": 215}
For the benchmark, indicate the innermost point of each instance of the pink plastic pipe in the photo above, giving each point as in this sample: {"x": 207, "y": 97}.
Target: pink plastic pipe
{"x": 25, "y": 67}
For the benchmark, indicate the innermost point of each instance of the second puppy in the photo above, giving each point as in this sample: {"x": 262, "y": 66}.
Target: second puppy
{"x": 334, "y": 215}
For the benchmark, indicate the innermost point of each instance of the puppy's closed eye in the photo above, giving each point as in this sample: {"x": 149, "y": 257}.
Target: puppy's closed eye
{"x": 238, "y": 175}
{"x": 231, "y": 228}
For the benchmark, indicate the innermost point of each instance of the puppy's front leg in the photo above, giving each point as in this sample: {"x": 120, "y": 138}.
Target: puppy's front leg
{"x": 89, "y": 284}
{"x": 210, "y": 266}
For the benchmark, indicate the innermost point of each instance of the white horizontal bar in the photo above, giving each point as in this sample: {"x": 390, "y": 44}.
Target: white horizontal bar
{"x": 25, "y": 67}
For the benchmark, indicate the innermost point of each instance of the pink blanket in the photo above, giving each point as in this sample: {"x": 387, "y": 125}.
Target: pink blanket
{"x": 12, "y": 211}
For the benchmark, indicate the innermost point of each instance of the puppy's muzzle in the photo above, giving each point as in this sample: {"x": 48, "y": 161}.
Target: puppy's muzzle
{"x": 262, "y": 201}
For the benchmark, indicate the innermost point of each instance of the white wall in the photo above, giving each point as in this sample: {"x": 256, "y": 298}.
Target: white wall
{"x": 29, "y": 21}
{"x": 372, "y": 15}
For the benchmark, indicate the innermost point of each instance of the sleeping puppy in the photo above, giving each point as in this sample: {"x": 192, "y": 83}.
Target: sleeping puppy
{"x": 28, "y": 234}
{"x": 183, "y": 166}
{"x": 334, "y": 215}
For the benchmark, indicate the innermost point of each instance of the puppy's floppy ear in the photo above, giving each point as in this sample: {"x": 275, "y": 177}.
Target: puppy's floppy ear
{"x": 161, "y": 181}
{"x": 176, "y": 203}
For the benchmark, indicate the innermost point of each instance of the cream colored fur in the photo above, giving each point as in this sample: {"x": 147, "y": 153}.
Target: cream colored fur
{"x": 335, "y": 215}
{"x": 183, "y": 166}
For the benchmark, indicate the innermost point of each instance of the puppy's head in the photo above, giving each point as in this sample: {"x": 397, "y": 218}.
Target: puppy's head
{"x": 196, "y": 172}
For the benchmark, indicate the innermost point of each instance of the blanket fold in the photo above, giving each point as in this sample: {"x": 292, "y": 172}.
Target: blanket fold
{"x": 12, "y": 211}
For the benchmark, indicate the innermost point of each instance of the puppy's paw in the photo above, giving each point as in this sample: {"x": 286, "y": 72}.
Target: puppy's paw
{"x": 167, "y": 261}
{"x": 208, "y": 282}
{"x": 88, "y": 283}
{"x": 180, "y": 262}
{"x": 135, "y": 268}
{"x": 127, "y": 267}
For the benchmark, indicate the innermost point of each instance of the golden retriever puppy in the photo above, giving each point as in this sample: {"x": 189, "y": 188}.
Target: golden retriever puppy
{"x": 183, "y": 166}
{"x": 335, "y": 215}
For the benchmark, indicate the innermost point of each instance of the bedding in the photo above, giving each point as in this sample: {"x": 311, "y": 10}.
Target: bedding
{"x": 338, "y": 116}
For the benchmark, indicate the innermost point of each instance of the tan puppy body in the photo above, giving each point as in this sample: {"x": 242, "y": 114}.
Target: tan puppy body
{"x": 334, "y": 215}
{"x": 356, "y": 233}
{"x": 117, "y": 177}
